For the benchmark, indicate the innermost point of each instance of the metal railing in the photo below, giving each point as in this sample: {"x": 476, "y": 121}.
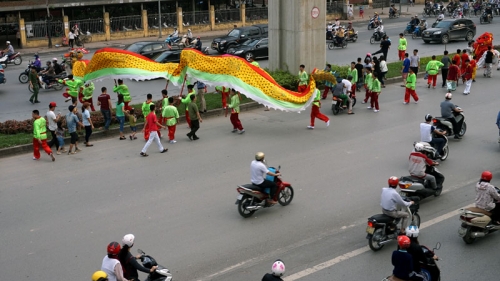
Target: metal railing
{"x": 38, "y": 29}
{"x": 335, "y": 7}
{"x": 229, "y": 15}
{"x": 126, "y": 23}
{"x": 195, "y": 18}
{"x": 256, "y": 13}
{"x": 167, "y": 20}
{"x": 91, "y": 25}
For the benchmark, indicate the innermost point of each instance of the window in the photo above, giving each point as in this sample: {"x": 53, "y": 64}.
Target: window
{"x": 254, "y": 32}
{"x": 146, "y": 48}
{"x": 156, "y": 47}
{"x": 263, "y": 43}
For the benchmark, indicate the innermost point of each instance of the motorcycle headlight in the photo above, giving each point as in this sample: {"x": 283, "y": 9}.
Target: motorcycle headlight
{"x": 437, "y": 32}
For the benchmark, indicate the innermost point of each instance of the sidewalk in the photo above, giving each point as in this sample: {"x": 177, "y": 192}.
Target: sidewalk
{"x": 384, "y": 14}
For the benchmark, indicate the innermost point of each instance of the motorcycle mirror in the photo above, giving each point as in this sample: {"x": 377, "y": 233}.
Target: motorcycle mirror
{"x": 140, "y": 251}
{"x": 438, "y": 246}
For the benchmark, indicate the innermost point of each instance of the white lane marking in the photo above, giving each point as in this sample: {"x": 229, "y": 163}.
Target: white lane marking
{"x": 360, "y": 251}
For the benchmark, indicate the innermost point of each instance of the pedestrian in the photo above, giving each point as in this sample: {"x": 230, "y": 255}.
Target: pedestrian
{"x": 164, "y": 103}
{"x": 315, "y": 113}
{"x": 40, "y": 136}
{"x": 473, "y": 63}
{"x": 132, "y": 121}
{"x": 350, "y": 12}
{"x": 415, "y": 61}
{"x": 405, "y": 69}
{"x": 464, "y": 58}
{"x": 402, "y": 46}
{"x": 104, "y": 101}
{"x": 76, "y": 31}
{"x": 171, "y": 115}
{"x": 71, "y": 37}
{"x": 488, "y": 63}
{"x": 383, "y": 71}
{"x": 446, "y": 61}
{"x": 88, "y": 92}
{"x": 432, "y": 70}
{"x": 235, "y": 111}
{"x": 74, "y": 89}
{"x": 52, "y": 119}
{"x": 145, "y": 112}
{"x": 34, "y": 84}
{"x": 187, "y": 101}
{"x": 453, "y": 74}
{"x": 368, "y": 84}
{"x": 457, "y": 58}
{"x": 72, "y": 122}
{"x": 411, "y": 81}
{"x": 60, "y": 137}
{"x": 121, "y": 88}
{"x": 353, "y": 71}
{"x": 224, "y": 92}
{"x": 195, "y": 118}
{"x": 376, "y": 66}
{"x": 328, "y": 84}
{"x": 202, "y": 89}
{"x": 467, "y": 76}
{"x": 361, "y": 12}
{"x": 151, "y": 124}
{"x": 120, "y": 114}
{"x": 303, "y": 79}
{"x": 361, "y": 76}
{"x": 385, "y": 45}
{"x": 87, "y": 123}
{"x": 375, "y": 92}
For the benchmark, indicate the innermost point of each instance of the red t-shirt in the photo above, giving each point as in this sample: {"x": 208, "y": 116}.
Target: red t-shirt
{"x": 104, "y": 101}
{"x": 468, "y": 72}
{"x": 151, "y": 120}
{"x": 457, "y": 59}
{"x": 452, "y": 72}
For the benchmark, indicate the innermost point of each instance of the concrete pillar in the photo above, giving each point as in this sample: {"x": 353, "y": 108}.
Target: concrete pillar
{"x": 242, "y": 14}
{"x": 179, "y": 20}
{"x": 107, "y": 28}
{"x": 297, "y": 30}
{"x": 145, "y": 26}
{"x": 22, "y": 31}
{"x": 66, "y": 26}
{"x": 212, "y": 17}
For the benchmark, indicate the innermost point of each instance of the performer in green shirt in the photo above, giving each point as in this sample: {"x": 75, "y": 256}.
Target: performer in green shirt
{"x": 40, "y": 136}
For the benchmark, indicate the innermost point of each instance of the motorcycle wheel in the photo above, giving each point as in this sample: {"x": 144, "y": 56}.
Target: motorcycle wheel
{"x": 285, "y": 196}
{"x": 344, "y": 44}
{"x": 446, "y": 150}
{"x": 481, "y": 20}
{"x": 372, "y": 40}
{"x": 369, "y": 27}
{"x": 23, "y": 78}
{"x": 331, "y": 46}
{"x": 372, "y": 243}
{"x": 468, "y": 239}
{"x": 438, "y": 192}
{"x": 353, "y": 102}
{"x": 58, "y": 86}
{"x": 245, "y": 202}
{"x": 463, "y": 130}
{"x": 413, "y": 36}
{"x": 416, "y": 219}
{"x": 18, "y": 60}
{"x": 354, "y": 39}
{"x": 335, "y": 109}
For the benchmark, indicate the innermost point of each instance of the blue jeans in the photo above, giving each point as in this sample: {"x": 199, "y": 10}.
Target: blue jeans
{"x": 121, "y": 119}
{"x": 438, "y": 143}
{"x": 106, "y": 113}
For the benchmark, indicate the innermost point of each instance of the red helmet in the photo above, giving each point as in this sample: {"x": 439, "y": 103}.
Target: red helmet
{"x": 114, "y": 248}
{"x": 403, "y": 241}
{"x": 486, "y": 176}
{"x": 393, "y": 181}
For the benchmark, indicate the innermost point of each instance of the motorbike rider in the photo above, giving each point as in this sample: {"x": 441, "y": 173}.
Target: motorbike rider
{"x": 489, "y": 11}
{"x": 416, "y": 252}
{"x": 440, "y": 17}
{"x": 329, "y": 29}
{"x": 9, "y": 51}
{"x": 57, "y": 67}
{"x": 337, "y": 23}
{"x": 129, "y": 262}
{"x": 418, "y": 163}
{"x": 423, "y": 25}
{"x": 278, "y": 269}
{"x": 339, "y": 36}
{"x": 393, "y": 10}
{"x": 111, "y": 265}
{"x": 414, "y": 22}
{"x": 48, "y": 74}
{"x": 426, "y": 131}
{"x": 175, "y": 35}
{"x": 390, "y": 201}
{"x": 402, "y": 260}
{"x": 37, "y": 64}
{"x": 487, "y": 197}
{"x": 447, "y": 110}
{"x": 258, "y": 171}
{"x": 189, "y": 36}
{"x": 198, "y": 44}
{"x": 100, "y": 276}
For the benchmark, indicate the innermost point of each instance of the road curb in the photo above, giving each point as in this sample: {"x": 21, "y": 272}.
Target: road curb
{"x": 114, "y": 132}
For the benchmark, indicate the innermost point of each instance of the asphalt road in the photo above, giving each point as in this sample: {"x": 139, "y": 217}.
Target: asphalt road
{"x": 57, "y": 218}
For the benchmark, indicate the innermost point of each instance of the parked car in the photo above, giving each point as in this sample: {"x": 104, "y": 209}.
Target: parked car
{"x": 450, "y": 29}
{"x": 2, "y": 75}
{"x": 168, "y": 56}
{"x": 239, "y": 35}
{"x": 253, "y": 48}
{"x": 147, "y": 48}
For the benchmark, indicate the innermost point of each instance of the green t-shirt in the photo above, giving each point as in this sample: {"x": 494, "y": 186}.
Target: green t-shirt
{"x": 376, "y": 87}
{"x": 146, "y": 108}
{"x": 119, "y": 109}
{"x": 235, "y": 104}
{"x": 171, "y": 113}
{"x": 187, "y": 100}
{"x": 411, "y": 81}
{"x": 131, "y": 120}
{"x": 317, "y": 97}
{"x": 123, "y": 89}
{"x": 354, "y": 74}
{"x": 303, "y": 78}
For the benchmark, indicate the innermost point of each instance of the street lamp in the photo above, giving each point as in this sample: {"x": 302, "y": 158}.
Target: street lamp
{"x": 159, "y": 19}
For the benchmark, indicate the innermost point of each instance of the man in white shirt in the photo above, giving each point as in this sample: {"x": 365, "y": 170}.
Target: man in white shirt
{"x": 347, "y": 91}
{"x": 329, "y": 31}
{"x": 426, "y": 130}
{"x": 390, "y": 201}
{"x": 52, "y": 119}
{"x": 258, "y": 172}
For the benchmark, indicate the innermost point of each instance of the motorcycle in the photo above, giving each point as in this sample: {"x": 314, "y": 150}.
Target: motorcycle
{"x": 12, "y": 59}
{"x": 409, "y": 29}
{"x": 377, "y": 35}
{"x": 372, "y": 24}
{"x": 160, "y": 274}
{"x": 24, "y": 76}
{"x": 393, "y": 14}
{"x": 485, "y": 18}
{"x": 335, "y": 43}
{"x": 414, "y": 186}
{"x": 252, "y": 198}
{"x": 382, "y": 228}
{"x": 457, "y": 13}
{"x": 53, "y": 83}
{"x": 429, "y": 268}
{"x": 416, "y": 33}
{"x": 432, "y": 152}
{"x": 445, "y": 125}
{"x": 337, "y": 105}
{"x": 172, "y": 40}
{"x": 352, "y": 36}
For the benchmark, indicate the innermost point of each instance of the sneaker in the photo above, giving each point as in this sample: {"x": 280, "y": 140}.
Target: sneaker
{"x": 77, "y": 150}
{"x": 328, "y": 123}
{"x": 71, "y": 153}
{"x": 172, "y": 141}
{"x": 457, "y": 137}
{"x": 242, "y": 131}
{"x": 405, "y": 102}
{"x": 58, "y": 153}
{"x": 369, "y": 107}
{"x": 376, "y": 110}
{"x": 234, "y": 131}
{"x": 52, "y": 156}
{"x": 64, "y": 151}
{"x": 416, "y": 101}
{"x": 310, "y": 127}
{"x": 68, "y": 99}
{"x": 35, "y": 158}
{"x": 363, "y": 102}
{"x": 428, "y": 86}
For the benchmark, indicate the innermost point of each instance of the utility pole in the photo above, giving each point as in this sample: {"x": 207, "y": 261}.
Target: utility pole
{"x": 159, "y": 19}
{"x": 47, "y": 24}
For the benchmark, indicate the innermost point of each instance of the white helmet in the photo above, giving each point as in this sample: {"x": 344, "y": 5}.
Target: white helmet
{"x": 278, "y": 268}
{"x": 419, "y": 147}
{"x": 448, "y": 96}
{"x": 128, "y": 240}
{"x": 412, "y": 231}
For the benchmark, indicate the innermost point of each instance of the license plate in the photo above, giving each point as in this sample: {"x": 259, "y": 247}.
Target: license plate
{"x": 239, "y": 197}
{"x": 427, "y": 35}
{"x": 370, "y": 230}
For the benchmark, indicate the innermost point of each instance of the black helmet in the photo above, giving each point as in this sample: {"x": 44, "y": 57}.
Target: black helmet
{"x": 428, "y": 117}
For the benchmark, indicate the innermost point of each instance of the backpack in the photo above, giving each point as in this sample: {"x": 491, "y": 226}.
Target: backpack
{"x": 338, "y": 90}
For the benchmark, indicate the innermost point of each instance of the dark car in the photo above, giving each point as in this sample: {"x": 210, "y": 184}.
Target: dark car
{"x": 253, "y": 48}
{"x": 147, "y": 48}
{"x": 2, "y": 75}
{"x": 239, "y": 35}
{"x": 168, "y": 56}
{"x": 450, "y": 29}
